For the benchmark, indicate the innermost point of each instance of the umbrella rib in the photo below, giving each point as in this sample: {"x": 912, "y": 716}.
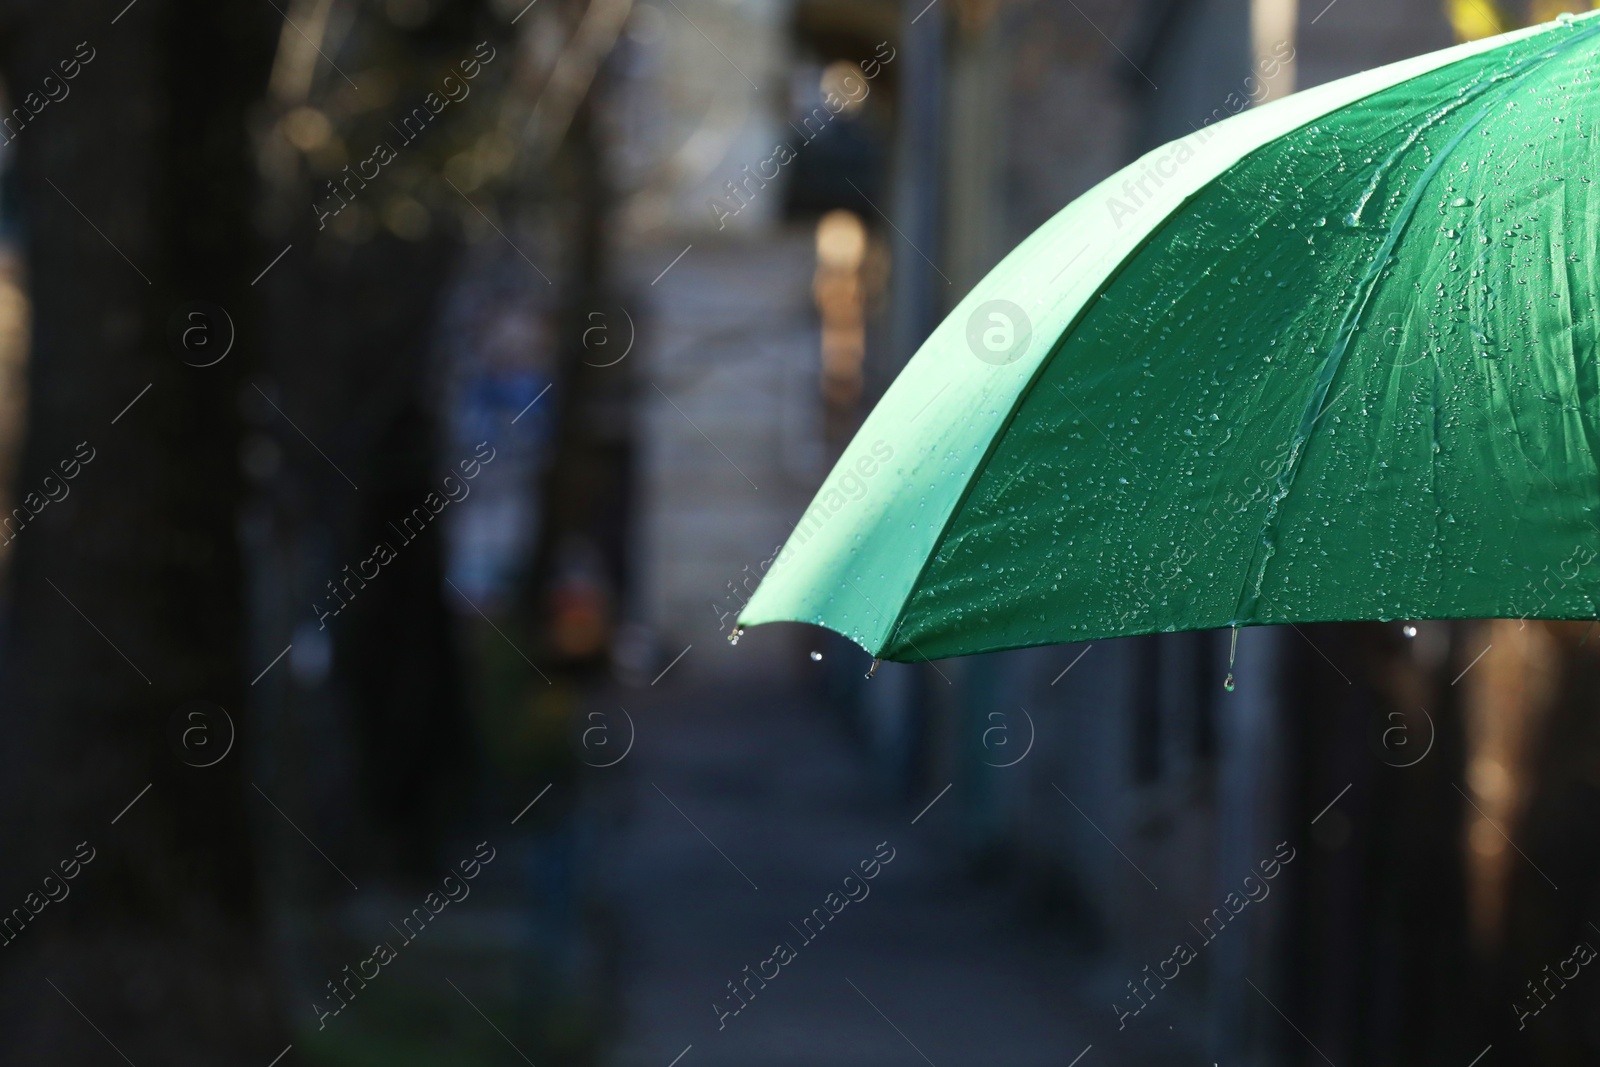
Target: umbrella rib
{"x": 1017, "y": 403}
{"x": 1021, "y": 399}
{"x": 913, "y": 644}
{"x": 1249, "y": 599}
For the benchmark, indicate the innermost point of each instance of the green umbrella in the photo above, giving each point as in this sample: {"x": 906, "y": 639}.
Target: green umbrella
{"x": 1332, "y": 359}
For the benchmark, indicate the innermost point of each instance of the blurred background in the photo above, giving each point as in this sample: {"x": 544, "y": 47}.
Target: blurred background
{"x": 400, "y": 398}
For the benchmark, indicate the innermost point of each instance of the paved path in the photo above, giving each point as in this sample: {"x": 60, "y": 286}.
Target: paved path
{"x": 927, "y": 969}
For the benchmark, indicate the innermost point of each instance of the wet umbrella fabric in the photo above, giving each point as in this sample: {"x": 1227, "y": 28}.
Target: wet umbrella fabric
{"x": 1332, "y": 359}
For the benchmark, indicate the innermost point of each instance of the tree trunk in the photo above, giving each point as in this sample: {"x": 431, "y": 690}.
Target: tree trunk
{"x": 136, "y": 186}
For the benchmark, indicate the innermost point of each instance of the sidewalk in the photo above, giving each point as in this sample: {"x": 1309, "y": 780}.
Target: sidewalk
{"x": 926, "y": 968}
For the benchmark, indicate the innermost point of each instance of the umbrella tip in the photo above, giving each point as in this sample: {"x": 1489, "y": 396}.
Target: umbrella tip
{"x": 873, "y": 669}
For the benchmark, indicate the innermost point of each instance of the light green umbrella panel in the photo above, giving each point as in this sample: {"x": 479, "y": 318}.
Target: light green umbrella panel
{"x": 1332, "y": 359}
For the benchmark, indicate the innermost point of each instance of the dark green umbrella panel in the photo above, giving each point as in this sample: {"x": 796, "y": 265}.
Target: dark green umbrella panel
{"x": 1332, "y": 359}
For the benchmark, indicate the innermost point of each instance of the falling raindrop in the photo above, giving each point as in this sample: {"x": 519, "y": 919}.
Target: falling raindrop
{"x": 1409, "y": 630}
{"x": 733, "y": 638}
{"x": 816, "y": 657}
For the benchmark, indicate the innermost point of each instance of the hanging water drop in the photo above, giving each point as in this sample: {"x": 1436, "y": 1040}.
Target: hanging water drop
{"x": 733, "y": 638}
{"x": 1233, "y": 651}
{"x": 816, "y": 657}
{"x": 1409, "y": 630}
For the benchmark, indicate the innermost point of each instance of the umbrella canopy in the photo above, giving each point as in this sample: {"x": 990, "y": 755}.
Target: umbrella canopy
{"x": 1332, "y": 359}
